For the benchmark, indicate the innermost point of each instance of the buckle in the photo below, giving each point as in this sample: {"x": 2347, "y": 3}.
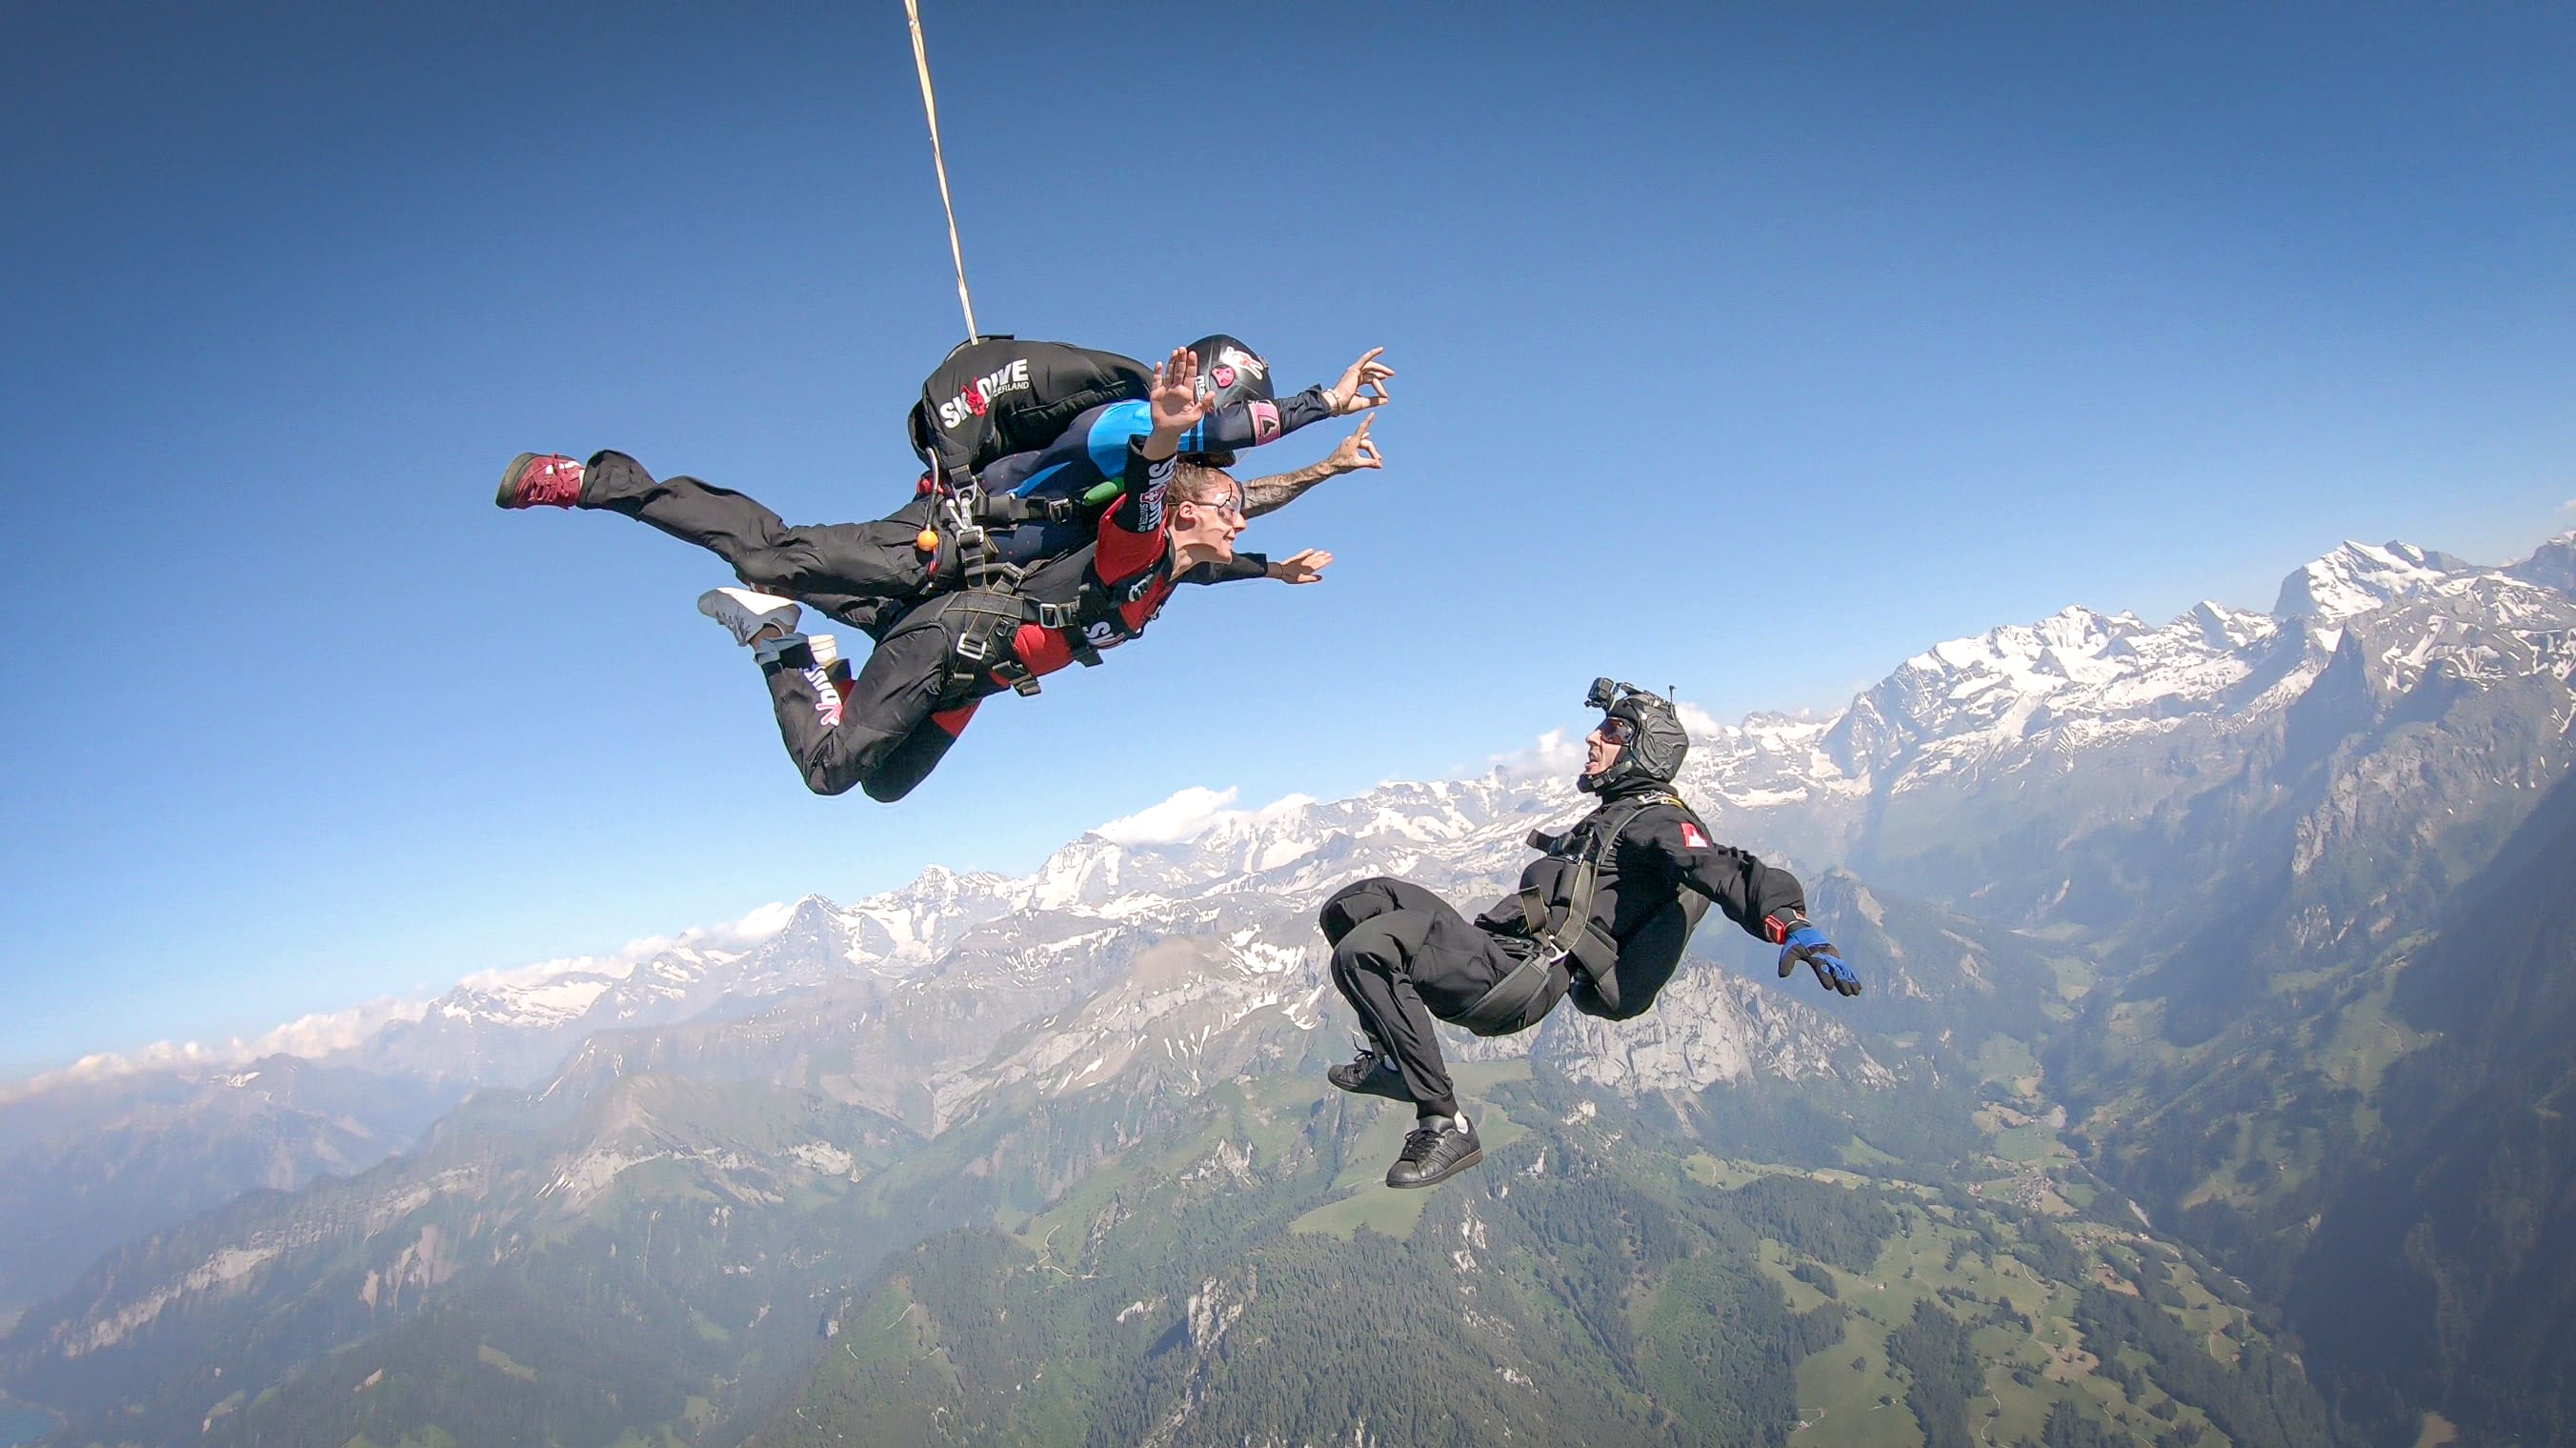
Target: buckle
{"x": 991, "y": 575}
{"x": 1052, "y": 615}
{"x": 975, "y": 646}
{"x": 1017, "y": 675}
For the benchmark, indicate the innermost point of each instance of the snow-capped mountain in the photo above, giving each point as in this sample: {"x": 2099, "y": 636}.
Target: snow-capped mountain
{"x": 2191, "y": 805}
{"x": 2020, "y": 701}
{"x": 1998, "y": 715}
{"x": 2086, "y": 772}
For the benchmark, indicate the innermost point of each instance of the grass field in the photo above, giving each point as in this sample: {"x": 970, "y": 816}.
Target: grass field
{"x": 2028, "y": 1369}
{"x": 1851, "y": 1396}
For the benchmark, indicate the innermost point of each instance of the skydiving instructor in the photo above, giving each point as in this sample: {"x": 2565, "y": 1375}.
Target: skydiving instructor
{"x": 1601, "y": 916}
{"x": 895, "y": 719}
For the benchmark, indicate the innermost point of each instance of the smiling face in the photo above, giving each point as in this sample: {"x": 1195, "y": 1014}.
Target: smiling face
{"x": 1207, "y": 514}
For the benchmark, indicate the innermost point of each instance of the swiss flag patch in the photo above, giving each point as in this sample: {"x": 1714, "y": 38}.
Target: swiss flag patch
{"x": 1692, "y": 838}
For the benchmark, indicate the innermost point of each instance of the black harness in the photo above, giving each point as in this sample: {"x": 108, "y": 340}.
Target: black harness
{"x": 993, "y": 612}
{"x": 1566, "y": 933}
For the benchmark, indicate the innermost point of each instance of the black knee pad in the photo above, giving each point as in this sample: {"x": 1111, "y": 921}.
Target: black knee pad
{"x": 1349, "y": 906}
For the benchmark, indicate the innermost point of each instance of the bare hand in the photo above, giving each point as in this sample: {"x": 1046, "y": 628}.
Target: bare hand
{"x": 1363, "y": 385}
{"x": 1356, "y": 451}
{"x": 1302, "y": 567}
{"x": 1174, "y": 402}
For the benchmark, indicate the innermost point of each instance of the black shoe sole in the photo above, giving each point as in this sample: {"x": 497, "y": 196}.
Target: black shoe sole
{"x": 1455, "y": 1167}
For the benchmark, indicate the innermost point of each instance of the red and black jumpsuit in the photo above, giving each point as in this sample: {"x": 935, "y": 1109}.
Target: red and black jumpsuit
{"x": 900, "y": 714}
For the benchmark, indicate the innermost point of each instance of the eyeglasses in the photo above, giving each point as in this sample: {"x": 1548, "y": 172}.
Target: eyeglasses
{"x": 1615, "y": 730}
{"x": 1230, "y": 503}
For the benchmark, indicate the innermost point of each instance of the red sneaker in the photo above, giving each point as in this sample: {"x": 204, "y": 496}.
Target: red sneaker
{"x": 533, "y": 480}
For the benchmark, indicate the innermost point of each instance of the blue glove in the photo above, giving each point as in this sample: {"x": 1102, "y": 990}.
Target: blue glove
{"x": 1809, "y": 944}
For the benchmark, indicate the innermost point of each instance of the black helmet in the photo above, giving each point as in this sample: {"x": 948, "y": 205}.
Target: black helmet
{"x": 1231, "y": 371}
{"x": 1657, "y": 741}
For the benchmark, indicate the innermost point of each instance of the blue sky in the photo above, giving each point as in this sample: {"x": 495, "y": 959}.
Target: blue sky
{"x": 1748, "y": 350}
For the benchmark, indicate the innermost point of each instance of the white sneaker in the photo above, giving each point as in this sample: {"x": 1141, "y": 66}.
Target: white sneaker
{"x": 822, "y": 653}
{"x": 745, "y": 613}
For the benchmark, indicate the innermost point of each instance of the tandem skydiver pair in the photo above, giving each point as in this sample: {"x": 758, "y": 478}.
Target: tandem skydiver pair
{"x": 1007, "y": 565}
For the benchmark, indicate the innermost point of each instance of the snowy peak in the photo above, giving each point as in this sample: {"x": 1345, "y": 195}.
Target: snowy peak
{"x": 2552, "y": 566}
{"x": 2357, "y": 578}
{"x": 2075, "y": 678}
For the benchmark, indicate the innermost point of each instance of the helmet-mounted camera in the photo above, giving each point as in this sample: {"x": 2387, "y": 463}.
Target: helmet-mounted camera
{"x": 1656, "y": 742}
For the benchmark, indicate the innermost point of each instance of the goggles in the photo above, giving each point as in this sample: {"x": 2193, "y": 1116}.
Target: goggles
{"x": 1619, "y": 731}
{"x": 1230, "y": 503}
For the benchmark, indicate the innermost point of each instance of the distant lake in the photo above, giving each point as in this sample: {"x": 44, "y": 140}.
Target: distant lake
{"x": 22, "y": 1425}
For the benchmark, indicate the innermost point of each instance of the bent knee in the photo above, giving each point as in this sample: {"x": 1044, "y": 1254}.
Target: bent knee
{"x": 826, "y": 781}
{"x": 1352, "y": 904}
{"x": 1593, "y": 1003}
{"x": 1370, "y": 946}
{"x": 886, "y": 791}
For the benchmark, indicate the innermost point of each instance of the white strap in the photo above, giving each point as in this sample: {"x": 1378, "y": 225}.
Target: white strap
{"x": 930, "y": 108}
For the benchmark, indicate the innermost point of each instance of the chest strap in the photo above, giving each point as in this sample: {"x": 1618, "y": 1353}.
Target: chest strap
{"x": 1573, "y": 938}
{"x": 1574, "y": 933}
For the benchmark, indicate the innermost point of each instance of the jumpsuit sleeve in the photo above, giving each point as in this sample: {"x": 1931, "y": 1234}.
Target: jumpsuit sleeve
{"x": 1250, "y": 424}
{"x": 1765, "y": 900}
{"x": 1134, "y": 533}
{"x": 1241, "y": 567}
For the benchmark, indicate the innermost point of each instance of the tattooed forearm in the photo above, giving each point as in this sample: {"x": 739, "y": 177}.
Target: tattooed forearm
{"x": 1270, "y": 494}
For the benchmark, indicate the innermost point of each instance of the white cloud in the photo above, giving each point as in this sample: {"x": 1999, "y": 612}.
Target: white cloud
{"x": 309, "y": 1037}
{"x": 1185, "y": 816}
{"x": 1282, "y": 807}
{"x": 1192, "y": 813}
{"x": 1698, "y": 722}
{"x": 620, "y": 963}
{"x": 1555, "y": 752}
{"x": 321, "y": 1034}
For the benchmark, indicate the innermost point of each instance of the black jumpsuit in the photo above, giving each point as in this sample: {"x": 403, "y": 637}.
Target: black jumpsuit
{"x": 864, "y": 574}
{"x": 867, "y": 575}
{"x": 899, "y": 716}
{"x": 1402, "y": 956}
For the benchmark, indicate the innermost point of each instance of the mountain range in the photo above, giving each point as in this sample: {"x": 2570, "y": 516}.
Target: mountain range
{"x": 2176, "y": 1000}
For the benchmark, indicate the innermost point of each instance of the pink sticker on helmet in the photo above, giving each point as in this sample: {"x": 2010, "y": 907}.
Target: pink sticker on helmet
{"x": 1223, "y": 377}
{"x": 1265, "y": 421}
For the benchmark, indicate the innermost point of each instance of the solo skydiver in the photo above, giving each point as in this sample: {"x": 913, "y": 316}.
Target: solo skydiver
{"x": 889, "y": 726}
{"x": 868, "y": 575}
{"x": 1602, "y": 916}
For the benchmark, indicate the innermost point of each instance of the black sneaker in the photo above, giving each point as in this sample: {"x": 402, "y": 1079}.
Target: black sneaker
{"x": 1439, "y": 1148}
{"x": 1370, "y": 1075}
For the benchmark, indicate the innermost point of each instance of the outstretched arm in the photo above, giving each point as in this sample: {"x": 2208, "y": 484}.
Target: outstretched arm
{"x": 1764, "y": 899}
{"x": 1305, "y": 566}
{"x": 1270, "y": 494}
{"x": 1361, "y": 386}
